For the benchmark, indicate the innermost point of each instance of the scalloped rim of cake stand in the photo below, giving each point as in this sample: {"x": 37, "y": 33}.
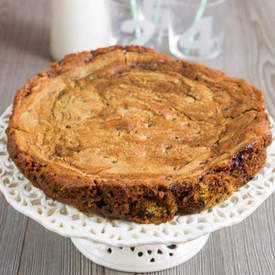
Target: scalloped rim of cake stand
{"x": 121, "y": 233}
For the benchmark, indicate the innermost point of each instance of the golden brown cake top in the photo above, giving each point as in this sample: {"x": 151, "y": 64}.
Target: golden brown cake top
{"x": 134, "y": 114}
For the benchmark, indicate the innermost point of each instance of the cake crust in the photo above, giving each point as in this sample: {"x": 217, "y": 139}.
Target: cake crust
{"x": 129, "y": 133}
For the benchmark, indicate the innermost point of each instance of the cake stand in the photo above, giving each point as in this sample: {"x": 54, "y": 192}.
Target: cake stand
{"x": 128, "y": 246}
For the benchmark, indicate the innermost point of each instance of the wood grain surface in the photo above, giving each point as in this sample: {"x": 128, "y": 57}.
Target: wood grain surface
{"x": 249, "y": 53}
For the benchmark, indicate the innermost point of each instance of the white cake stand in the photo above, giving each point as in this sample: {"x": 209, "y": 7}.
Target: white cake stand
{"x": 128, "y": 246}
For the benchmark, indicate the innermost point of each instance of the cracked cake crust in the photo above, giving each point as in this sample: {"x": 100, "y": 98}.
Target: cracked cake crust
{"x": 129, "y": 133}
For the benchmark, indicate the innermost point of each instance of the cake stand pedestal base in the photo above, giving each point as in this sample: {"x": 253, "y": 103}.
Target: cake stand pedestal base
{"x": 146, "y": 258}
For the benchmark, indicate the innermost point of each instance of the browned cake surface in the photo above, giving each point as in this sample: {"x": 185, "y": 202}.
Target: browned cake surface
{"x": 131, "y": 133}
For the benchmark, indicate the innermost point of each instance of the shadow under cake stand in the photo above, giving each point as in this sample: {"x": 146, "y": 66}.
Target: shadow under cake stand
{"x": 128, "y": 246}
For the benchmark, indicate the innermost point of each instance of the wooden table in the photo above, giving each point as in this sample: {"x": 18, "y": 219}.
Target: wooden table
{"x": 249, "y": 53}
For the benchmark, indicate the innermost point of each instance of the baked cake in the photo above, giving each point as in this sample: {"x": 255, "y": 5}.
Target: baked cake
{"x": 126, "y": 132}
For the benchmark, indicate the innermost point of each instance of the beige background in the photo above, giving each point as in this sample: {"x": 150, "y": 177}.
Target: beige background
{"x": 249, "y": 53}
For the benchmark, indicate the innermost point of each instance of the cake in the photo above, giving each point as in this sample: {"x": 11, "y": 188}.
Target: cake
{"x": 129, "y": 133}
